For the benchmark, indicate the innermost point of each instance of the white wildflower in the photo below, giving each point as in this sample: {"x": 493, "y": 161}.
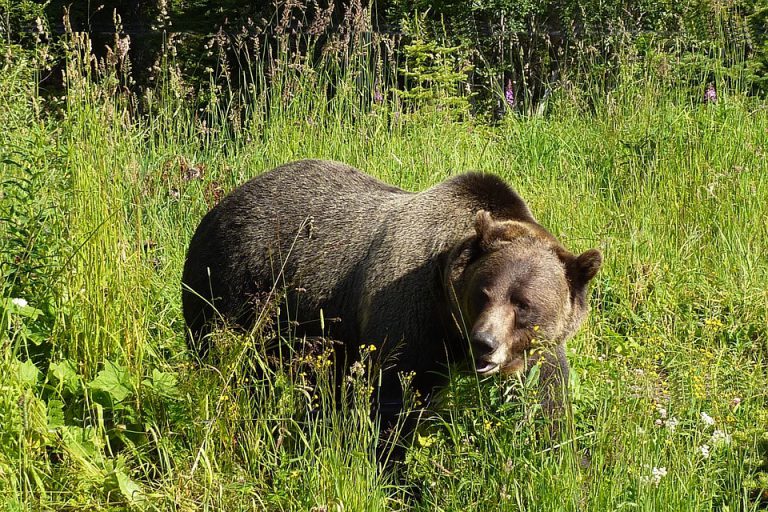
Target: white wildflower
{"x": 22, "y": 303}
{"x": 657, "y": 474}
{"x": 704, "y": 449}
{"x": 707, "y": 419}
{"x": 662, "y": 412}
{"x": 655, "y": 477}
{"x": 719, "y": 438}
{"x": 671, "y": 424}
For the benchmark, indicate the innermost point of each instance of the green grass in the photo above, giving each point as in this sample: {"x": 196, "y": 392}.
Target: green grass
{"x": 103, "y": 408}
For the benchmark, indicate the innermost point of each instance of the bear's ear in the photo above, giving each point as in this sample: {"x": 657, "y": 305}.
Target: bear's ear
{"x": 484, "y": 229}
{"x": 584, "y": 267}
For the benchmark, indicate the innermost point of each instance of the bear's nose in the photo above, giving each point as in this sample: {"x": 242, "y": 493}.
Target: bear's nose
{"x": 485, "y": 341}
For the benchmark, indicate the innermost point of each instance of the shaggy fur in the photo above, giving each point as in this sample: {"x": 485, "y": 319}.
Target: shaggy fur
{"x": 416, "y": 274}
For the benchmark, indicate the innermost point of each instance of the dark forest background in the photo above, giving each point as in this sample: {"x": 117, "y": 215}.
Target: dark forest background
{"x": 496, "y": 53}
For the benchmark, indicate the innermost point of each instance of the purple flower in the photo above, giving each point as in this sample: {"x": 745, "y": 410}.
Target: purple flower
{"x": 710, "y": 95}
{"x": 377, "y": 96}
{"x": 509, "y": 94}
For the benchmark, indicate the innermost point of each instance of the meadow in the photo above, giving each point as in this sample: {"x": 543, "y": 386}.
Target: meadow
{"x": 102, "y": 407}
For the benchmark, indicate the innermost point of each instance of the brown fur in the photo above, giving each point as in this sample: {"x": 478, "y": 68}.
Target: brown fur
{"x": 418, "y": 275}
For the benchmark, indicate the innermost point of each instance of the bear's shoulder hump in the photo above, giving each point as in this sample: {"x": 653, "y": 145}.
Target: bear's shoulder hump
{"x": 489, "y": 192}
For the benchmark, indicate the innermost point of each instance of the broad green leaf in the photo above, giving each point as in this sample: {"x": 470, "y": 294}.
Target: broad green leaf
{"x": 28, "y": 373}
{"x": 82, "y": 443}
{"x": 22, "y": 308}
{"x": 532, "y": 379}
{"x": 113, "y": 380}
{"x": 65, "y": 375}
{"x": 130, "y": 489}
{"x": 163, "y": 383}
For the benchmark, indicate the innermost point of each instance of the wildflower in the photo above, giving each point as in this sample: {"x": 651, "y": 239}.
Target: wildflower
{"x": 427, "y": 441}
{"x": 714, "y": 324}
{"x": 699, "y": 389}
{"x": 123, "y": 46}
{"x": 704, "y": 449}
{"x": 671, "y": 424}
{"x": 371, "y": 348}
{"x": 19, "y": 302}
{"x": 377, "y": 96}
{"x": 509, "y": 94}
{"x": 656, "y": 475}
{"x": 357, "y": 369}
{"x": 662, "y": 412}
{"x": 719, "y": 438}
{"x": 707, "y": 419}
{"x": 735, "y": 402}
{"x": 710, "y": 95}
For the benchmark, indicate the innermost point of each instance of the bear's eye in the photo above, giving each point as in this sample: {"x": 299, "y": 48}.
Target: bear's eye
{"x": 523, "y": 311}
{"x": 521, "y": 305}
{"x": 482, "y": 297}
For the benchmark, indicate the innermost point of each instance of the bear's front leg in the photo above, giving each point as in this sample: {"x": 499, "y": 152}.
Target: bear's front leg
{"x": 553, "y": 384}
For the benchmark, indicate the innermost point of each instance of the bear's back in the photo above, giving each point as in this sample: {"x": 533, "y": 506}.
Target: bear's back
{"x": 309, "y": 183}
{"x": 307, "y": 223}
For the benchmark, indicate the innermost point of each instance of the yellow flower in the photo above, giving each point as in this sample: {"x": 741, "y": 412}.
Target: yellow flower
{"x": 372, "y": 348}
{"x": 699, "y": 388}
{"x": 427, "y": 441}
{"x": 714, "y": 323}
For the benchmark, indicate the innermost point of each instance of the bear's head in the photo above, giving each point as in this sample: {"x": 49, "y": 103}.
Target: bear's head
{"x": 516, "y": 292}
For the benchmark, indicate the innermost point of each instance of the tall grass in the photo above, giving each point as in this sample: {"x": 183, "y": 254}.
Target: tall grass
{"x": 102, "y": 406}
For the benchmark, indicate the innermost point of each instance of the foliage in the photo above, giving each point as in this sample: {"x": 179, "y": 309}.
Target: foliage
{"x": 484, "y": 47}
{"x": 21, "y": 21}
{"x": 537, "y": 46}
{"x": 434, "y": 74}
{"x": 756, "y": 14}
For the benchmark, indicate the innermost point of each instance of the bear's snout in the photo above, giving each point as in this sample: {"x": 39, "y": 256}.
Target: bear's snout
{"x": 484, "y": 344}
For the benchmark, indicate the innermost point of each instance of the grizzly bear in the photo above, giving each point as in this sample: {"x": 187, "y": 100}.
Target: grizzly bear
{"x": 460, "y": 272}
